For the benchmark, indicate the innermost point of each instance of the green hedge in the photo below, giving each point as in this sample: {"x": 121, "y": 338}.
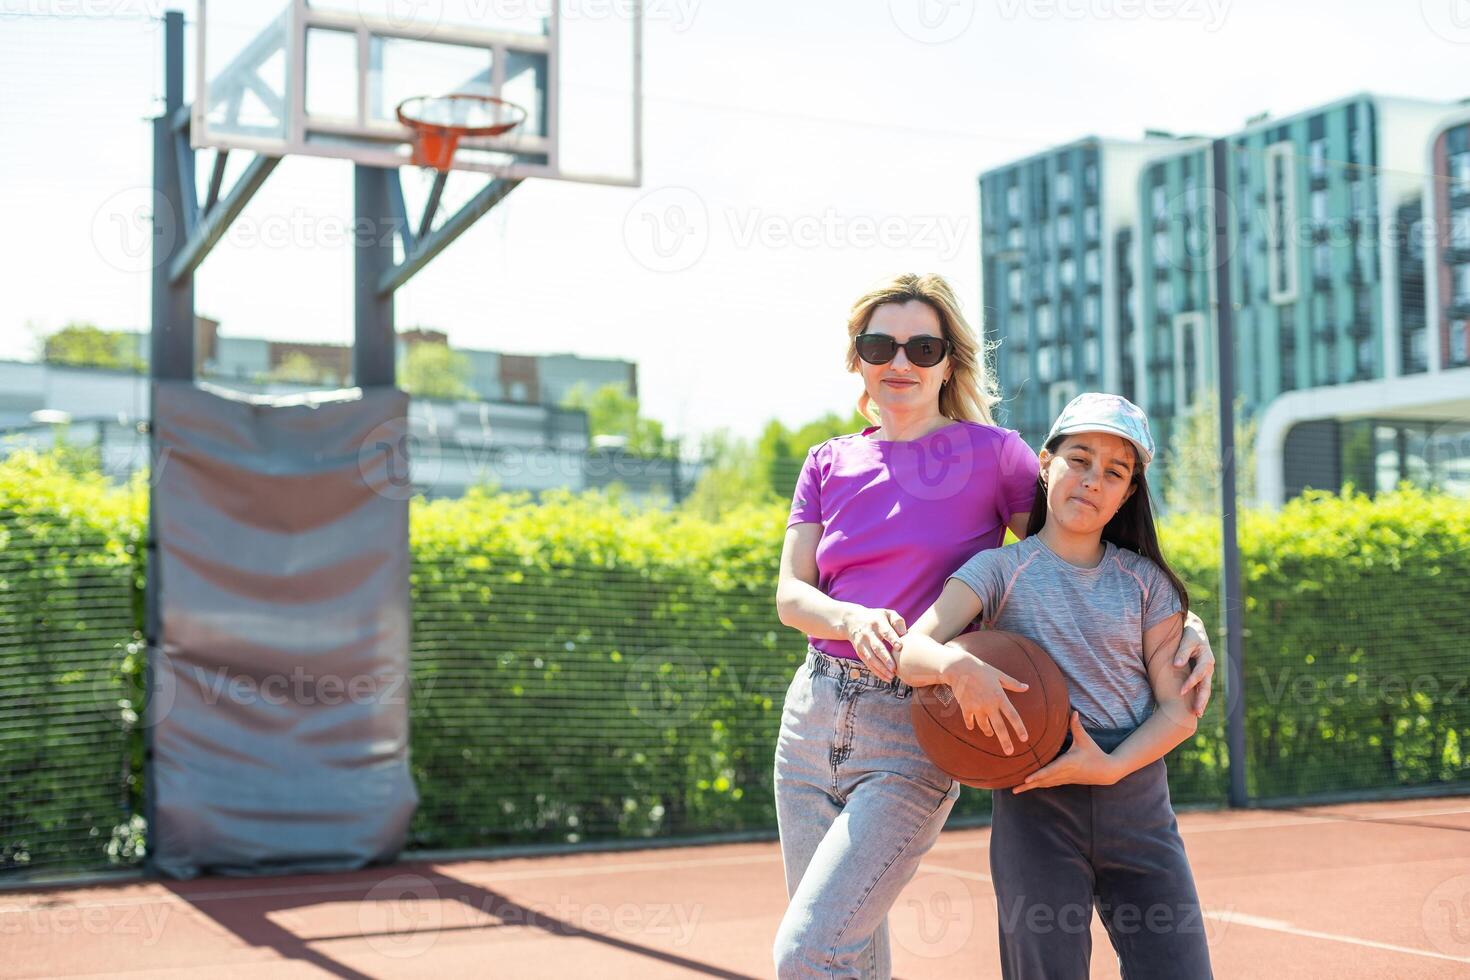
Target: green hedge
{"x": 586, "y": 670}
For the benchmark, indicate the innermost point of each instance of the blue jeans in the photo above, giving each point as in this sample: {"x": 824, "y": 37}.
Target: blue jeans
{"x": 858, "y": 804}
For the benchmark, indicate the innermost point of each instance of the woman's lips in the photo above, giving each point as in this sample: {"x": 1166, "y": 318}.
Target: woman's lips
{"x": 1085, "y": 503}
{"x": 899, "y": 384}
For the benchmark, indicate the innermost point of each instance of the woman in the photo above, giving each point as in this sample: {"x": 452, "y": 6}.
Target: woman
{"x": 879, "y": 521}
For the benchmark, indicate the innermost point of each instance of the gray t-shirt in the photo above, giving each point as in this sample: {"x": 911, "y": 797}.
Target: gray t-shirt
{"x": 1090, "y": 620}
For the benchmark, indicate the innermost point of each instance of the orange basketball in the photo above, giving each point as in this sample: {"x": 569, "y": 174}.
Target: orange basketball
{"x": 971, "y": 756}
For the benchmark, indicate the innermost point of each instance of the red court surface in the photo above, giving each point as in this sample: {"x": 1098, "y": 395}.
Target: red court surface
{"x": 1352, "y": 890}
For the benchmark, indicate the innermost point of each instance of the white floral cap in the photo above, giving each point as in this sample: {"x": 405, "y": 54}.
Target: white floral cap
{"x": 1098, "y": 411}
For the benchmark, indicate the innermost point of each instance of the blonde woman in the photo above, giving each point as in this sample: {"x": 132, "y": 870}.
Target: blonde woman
{"x": 879, "y": 520}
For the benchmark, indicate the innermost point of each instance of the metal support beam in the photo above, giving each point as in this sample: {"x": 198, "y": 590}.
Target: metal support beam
{"x": 216, "y": 178}
{"x": 1231, "y": 601}
{"x": 400, "y": 211}
{"x": 373, "y": 350}
{"x": 217, "y": 221}
{"x": 437, "y": 241}
{"x": 431, "y": 207}
{"x": 188, "y": 186}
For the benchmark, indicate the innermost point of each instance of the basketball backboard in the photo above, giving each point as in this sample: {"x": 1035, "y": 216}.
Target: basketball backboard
{"x": 325, "y": 77}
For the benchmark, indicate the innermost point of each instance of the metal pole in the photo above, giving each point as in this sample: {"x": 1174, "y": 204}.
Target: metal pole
{"x": 372, "y": 245}
{"x": 171, "y": 357}
{"x": 1230, "y": 584}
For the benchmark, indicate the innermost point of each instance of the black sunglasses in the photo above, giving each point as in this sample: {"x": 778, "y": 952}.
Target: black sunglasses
{"x": 879, "y": 348}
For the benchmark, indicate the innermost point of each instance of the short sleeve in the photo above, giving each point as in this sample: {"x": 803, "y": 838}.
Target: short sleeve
{"x": 1019, "y": 470}
{"x": 983, "y": 574}
{"x": 1161, "y": 600}
{"x": 806, "y": 501}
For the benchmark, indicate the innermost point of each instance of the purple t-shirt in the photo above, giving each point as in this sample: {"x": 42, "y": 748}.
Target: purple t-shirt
{"x": 899, "y": 517}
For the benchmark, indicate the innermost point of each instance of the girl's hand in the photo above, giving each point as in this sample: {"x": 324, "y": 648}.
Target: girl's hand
{"x": 980, "y": 690}
{"x": 1083, "y": 763}
{"x": 1195, "y": 645}
{"x": 873, "y": 633}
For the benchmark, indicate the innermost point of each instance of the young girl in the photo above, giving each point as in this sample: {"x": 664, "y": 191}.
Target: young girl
{"x": 1095, "y": 827}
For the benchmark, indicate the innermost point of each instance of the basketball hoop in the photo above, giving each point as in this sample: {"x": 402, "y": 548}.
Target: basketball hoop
{"x": 439, "y": 122}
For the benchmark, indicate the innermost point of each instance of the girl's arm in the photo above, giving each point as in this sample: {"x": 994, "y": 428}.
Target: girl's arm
{"x": 924, "y": 658}
{"x": 803, "y": 606}
{"x": 1173, "y": 720}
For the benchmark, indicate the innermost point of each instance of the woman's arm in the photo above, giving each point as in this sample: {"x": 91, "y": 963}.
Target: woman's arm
{"x": 803, "y": 606}
{"x": 1173, "y": 720}
{"x": 923, "y": 658}
{"x": 1195, "y": 645}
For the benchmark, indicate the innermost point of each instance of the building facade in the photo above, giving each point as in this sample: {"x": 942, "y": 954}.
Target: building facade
{"x": 1332, "y": 287}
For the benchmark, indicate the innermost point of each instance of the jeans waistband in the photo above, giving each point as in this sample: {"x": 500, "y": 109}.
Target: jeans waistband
{"x": 1107, "y": 739}
{"x": 849, "y": 671}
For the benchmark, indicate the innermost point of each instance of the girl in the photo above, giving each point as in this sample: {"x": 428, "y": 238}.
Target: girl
{"x": 878, "y": 520}
{"x": 1095, "y": 827}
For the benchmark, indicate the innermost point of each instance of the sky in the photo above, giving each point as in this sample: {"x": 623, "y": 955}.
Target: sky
{"x": 794, "y": 154}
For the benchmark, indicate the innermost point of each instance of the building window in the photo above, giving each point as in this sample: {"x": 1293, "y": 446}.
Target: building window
{"x": 1319, "y": 158}
{"x": 1365, "y": 357}
{"x": 1319, "y": 208}
{"x": 1159, "y": 201}
{"x": 1162, "y": 251}
{"x": 1064, "y": 230}
{"x": 1458, "y": 352}
{"x": 1092, "y": 267}
{"x": 1013, "y": 202}
{"x": 1322, "y": 261}
{"x": 1064, "y": 187}
{"x": 1091, "y": 313}
{"x": 1163, "y": 297}
{"x": 1015, "y": 238}
{"x": 1460, "y": 172}
{"x": 1089, "y": 176}
{"x": 1462, "y": 284}
{"x": 1067, "y": 271}
{"x": 1043, "y": 322}
{"x": 1014, "y": 284}
{"x": 1090, "y": 355}
{"x": 1044, "y": 364}
{"x": 1089, "y": 222}
{"x": 1460, "y": 229}
{"x": 1280, "y": 223}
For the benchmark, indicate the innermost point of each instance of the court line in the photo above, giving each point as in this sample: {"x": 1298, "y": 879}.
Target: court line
{"x": 583, "y": 872}
{"x": 1280, "y": 925}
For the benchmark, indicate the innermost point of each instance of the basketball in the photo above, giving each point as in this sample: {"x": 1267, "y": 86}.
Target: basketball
{"x": 968, "y": 754}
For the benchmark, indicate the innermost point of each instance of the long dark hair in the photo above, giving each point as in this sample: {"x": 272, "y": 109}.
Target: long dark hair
{"x": 1132, "y": 527}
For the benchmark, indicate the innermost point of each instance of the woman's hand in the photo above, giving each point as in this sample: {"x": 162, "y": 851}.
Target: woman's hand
{"x": 873, "y": 633}
{"x": 1195, "y": 645}
{"x": 980, "y": 690}
{"x": 1083, "y": 763}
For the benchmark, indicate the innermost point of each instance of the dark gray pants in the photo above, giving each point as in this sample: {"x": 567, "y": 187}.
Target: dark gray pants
{"x": 1057, "y": 853}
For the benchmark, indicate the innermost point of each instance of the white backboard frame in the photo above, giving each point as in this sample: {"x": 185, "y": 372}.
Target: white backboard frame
{"x": 382, "y": 143}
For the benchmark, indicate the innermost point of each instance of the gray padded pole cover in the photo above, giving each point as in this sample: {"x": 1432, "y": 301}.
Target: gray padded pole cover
{"x": 278, "y": 711}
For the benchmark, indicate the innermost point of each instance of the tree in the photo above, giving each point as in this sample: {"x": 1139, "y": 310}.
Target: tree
{"x": 1193, "y": 466}
{"x": 296, "y": 367}
{"x": 611, "y": 411}
{"x": 435, "y": 371}
{"x": 738, "y": 472}
{"x": 86, "y": 345}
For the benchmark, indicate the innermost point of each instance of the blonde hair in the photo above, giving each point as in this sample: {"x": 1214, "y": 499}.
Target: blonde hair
{"x": 971, "y": 389}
